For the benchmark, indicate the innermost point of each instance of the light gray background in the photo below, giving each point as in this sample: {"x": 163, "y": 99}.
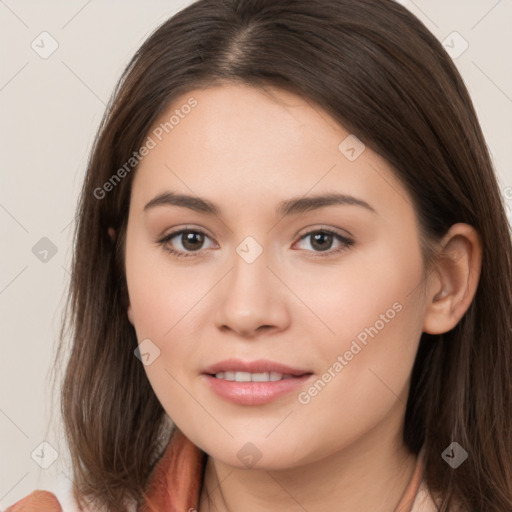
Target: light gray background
{"x": 50, "y": 112}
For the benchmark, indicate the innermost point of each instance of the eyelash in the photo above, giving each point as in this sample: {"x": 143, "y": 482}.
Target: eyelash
{"x": 317, "y": 254}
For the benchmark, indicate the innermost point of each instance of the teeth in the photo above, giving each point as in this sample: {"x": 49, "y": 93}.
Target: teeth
{"x": 260, "y": 377}
{"x": 252, "y": 377}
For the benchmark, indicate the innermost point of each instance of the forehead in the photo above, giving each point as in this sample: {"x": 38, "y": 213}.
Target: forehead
{"x": 245, "y": 122}
{"x": 244, "y": 142}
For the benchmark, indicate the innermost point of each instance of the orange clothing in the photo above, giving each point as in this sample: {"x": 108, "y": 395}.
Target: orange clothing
{"x": 182, "y": 461}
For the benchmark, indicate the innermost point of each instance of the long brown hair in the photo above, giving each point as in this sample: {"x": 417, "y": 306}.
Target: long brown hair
{"x": 377, "y": 70}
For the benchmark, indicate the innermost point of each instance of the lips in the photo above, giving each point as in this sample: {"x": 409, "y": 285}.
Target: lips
{"x": 253, "y": 382}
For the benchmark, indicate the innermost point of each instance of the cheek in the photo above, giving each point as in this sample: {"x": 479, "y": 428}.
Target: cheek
{"x": 363, "y": 381}
{"x": 365, "y": 289}
{"x": 376, "y": 315}
{"x": 160, "y": 294}
{"x": 165, "y": 299}
{"x": 160, "y": 299}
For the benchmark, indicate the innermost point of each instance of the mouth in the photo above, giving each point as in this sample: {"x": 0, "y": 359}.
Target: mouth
{"x": 260, "y": 370}
{"x": 254, "y": 382}
{"x": 253, "y": 377}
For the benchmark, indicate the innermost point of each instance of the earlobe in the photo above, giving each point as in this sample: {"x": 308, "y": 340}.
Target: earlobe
{"x": 130, "y": 314}
{"x": 454, "y": 280}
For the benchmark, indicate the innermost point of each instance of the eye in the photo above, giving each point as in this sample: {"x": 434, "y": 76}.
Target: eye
{"x": 189, "y": 239}
{"x": 192, "y": 241}
{"x": 322, "y": 240}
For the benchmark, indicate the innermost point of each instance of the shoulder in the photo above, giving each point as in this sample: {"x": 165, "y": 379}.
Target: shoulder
{"x": 61, "y": 500}
{"x": 40, "y": 501}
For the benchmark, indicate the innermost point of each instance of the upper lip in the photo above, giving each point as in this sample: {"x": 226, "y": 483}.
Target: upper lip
{"x": 258, "y": 366}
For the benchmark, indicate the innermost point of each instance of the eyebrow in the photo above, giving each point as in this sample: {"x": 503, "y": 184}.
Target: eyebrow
{"x": 292, "y": 206}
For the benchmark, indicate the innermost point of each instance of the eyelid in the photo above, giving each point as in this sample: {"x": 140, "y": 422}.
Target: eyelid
{"x": 186, "y": 227}
{"x": 322, "y": 227}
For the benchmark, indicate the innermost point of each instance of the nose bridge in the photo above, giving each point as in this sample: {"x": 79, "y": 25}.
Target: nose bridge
{"x": 249, "y": 283}
{"x": 250, "y": 295}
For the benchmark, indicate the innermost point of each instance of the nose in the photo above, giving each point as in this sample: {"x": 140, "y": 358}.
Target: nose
{"x": 251, "y": 299}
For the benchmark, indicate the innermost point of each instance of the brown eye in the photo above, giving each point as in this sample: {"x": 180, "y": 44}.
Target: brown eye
{"x": 192, "y": 240}
{"x": 184, "y": 243}
{"x": 321, "y": 241}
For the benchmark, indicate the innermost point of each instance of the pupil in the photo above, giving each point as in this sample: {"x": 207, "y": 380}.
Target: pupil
{"x": 188, "y": 239}
{"x": 322, "y": 236}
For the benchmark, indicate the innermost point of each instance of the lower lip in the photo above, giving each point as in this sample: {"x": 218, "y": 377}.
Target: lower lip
{"x": 254, "y": 393}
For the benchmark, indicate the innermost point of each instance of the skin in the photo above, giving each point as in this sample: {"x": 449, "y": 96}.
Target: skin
{"x": 246, "y": 151}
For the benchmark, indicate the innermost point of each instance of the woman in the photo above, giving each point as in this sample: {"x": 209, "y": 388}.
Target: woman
{"x": 291, "y": 243}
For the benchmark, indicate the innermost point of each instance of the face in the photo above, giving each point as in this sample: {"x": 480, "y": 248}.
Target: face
{"x": 261, "y": 272}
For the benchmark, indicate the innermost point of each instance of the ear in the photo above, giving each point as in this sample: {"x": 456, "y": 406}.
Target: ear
{"x": 453, "y": 282}
{"x": 112, "y": 234}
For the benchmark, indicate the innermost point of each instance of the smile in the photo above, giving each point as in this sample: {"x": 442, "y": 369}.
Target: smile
{"x": 252, "y": 377}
